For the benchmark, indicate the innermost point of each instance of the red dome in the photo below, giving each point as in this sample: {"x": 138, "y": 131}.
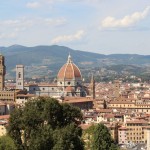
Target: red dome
{"x": 69, "y": 70}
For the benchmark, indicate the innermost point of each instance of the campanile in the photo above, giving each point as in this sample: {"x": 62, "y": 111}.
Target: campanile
{"x": 2, "y": 72}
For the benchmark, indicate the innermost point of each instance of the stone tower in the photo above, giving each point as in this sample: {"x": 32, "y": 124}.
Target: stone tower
{"x": 92, "y": 87}
{"x": 116, "y": 88}
{"x": 20, "y": 77}
{"x": 2, "y": 72}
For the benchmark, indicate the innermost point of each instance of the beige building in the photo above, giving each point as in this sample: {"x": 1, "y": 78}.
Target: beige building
{"x": 148, "y": 138}
{"x": 136, "y": 131}
{"x": 7, "y": 95}
{"x": 21, "y": 99}
{"x": 3, "y": 130}
{"x": 137, "y": 107}
{"x": 3, "y": 124}
{"x": 122, "y": 135}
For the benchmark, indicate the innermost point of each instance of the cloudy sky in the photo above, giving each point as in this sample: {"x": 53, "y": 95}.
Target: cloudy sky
{"x": 102, "y": 26}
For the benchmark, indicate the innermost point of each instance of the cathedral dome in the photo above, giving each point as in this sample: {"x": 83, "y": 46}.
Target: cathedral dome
{"x": 69, "y": 71}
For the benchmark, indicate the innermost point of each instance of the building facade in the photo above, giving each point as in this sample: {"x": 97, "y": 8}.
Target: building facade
{"x": 69, "y": 83}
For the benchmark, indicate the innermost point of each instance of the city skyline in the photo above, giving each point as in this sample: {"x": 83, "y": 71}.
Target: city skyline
{"x": 99, "y": 26}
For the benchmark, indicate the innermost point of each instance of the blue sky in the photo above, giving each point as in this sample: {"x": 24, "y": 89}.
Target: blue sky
{"x": 102, "y": 26}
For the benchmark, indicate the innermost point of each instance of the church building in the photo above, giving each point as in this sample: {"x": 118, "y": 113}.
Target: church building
{"x": 69, "y": 83}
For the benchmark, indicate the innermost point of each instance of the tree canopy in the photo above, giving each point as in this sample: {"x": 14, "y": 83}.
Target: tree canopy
{"x": 102, "y": 139}
{"x": 44, "y": 123}
{"x": 6, "y": 143}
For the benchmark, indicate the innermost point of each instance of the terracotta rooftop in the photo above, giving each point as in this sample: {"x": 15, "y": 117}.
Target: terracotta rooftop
{"x": 25, "y": 95}
{"x": 4, "y": 116}
{"x": 121, "y": 102}
{"x": 41, "y": 84}
{"x": 77, "y": 100}
{"x": 122, "y": 128}
{"x": 137, "y": 121}
{"x": 104, "y": 110}
{"x": 69, "y": 70}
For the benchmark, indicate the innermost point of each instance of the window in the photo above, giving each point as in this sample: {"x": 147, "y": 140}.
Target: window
{"x": 19, "y": 75}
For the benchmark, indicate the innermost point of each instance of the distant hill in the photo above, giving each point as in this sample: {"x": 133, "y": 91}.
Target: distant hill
{"x": 45, "y": 60}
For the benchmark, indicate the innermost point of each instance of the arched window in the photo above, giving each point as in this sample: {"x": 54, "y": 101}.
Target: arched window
{"x": 19, "y": 75}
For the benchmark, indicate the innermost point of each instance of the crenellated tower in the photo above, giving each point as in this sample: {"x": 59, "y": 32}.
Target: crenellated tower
{"x": 2, "y": 72}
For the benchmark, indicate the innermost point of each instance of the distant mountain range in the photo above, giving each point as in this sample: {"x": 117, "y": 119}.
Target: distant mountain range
{"x": 45, "y": 60}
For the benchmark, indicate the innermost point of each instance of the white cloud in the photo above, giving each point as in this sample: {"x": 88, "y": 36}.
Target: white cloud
{"x": 18, "y": 23}
{"x": 40, "y": 3}
{"x": 33, "y": 5}
{"x": 126, "y": 21}
{"x": 67, "y": 38}
{"x": 56, "y": 22}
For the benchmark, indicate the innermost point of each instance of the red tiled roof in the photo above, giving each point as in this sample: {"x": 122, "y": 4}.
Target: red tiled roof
{"x": 4, "y": 116}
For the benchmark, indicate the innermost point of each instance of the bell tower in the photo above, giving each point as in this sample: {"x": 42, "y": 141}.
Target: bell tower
{"x": 2, "y": 72}
{"x": 116, "y": 88}
{"x": 20, "y": 77}
{"x": 92, "y": 87}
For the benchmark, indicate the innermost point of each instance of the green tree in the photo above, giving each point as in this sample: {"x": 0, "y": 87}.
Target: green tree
{"x": 88, "y": 137}
{"x": 102, "y": 139}
{"x": 42, "y": 121}
{"x": 68, "y": 138}
{"x": 6, "y": 143}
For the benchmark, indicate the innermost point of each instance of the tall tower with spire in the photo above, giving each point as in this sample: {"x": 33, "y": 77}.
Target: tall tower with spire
{"x": 92, "y": 87}
{"x": 2, "y": 72}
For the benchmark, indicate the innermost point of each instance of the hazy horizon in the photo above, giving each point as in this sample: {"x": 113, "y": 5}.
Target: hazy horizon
{"x": 72, "y": 49}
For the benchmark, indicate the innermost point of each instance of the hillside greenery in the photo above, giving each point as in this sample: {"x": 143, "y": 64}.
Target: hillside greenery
{"x": 47, "y": 60}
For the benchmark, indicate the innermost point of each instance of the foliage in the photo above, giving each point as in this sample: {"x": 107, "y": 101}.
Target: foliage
{"x": 44, "y": 123}
{"x": 68, "y": 138}
{"x": 102, "y": 139}
{"x": 97, "y": 137}
{"x": 88, "y": 137}
{"x": 6, "y": 143}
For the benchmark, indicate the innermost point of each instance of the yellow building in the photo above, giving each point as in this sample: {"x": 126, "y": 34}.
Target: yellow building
{"x": 7, "y": 95}
{"x": 138, "y": 107}
{"x": 3, "y": 124}
{"x": 3, "y": 130}
{"x": 136, "y": 131}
